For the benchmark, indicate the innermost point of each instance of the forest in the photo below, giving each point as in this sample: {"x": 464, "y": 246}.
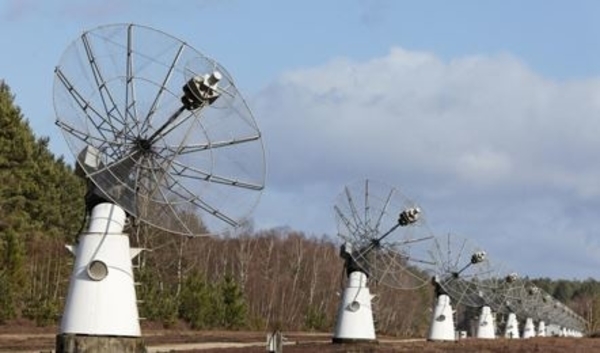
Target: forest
{"x": 258, "y": 279}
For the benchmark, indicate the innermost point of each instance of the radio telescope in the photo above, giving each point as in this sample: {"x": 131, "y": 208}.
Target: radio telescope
{"x": 521, "y": 299}
{"x": 562, "y": 320}
{"x": 384, "y": 241}
{"x": 162, "y": 136}
{"x": 462, "y": 272}
{"x": 539, "y": 306}
{"x": 572, "y": 324}
{"x": 496, "y": 302}
{"x": 530, "y": 300}
{"x": 530, "y": 303}
{"x": 492, "y": 293}
{"x": 541, "y": 312}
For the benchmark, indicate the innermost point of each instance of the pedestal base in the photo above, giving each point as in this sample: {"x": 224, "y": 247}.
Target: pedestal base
{"x": 69, "y": 343}
{"x": 102, "y": 301}
{"x": 541, "y": 332}
{"x": 529, "y": 328}
{"x": 512, "y": 327}
{"x": 355, "y": 316}
{"x": 486, "y": 328}
{"x": 442, "y": 321}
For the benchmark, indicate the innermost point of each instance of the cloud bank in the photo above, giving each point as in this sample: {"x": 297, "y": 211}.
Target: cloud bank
{"x": 490, "y": 149}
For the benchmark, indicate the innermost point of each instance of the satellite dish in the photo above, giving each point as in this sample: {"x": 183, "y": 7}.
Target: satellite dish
{"x": 571, "y": 323}
{"x": 521, "y": 300}
{"x": 558, "y": 314}
{"x": 514, "y": 288}
{"x": 494, "y": 297}
{"x": 461, "y": 273}
{"x": 530, "y": 299}
{"x": 162, "y": 136}
{"x": 159, "y": 129}
{"x": 542, "y": 311}
{"x": 384, "y": 241}
{"x": 492, "y": 293}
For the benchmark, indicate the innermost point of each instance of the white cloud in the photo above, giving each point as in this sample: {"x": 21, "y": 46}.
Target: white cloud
{"x": 484, "y": 166}
{"x": 479, "y": 134}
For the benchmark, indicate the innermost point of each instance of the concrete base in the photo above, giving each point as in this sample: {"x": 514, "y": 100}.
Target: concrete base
{"x": 337, "y": 340}
{"x": 69, "y": 343}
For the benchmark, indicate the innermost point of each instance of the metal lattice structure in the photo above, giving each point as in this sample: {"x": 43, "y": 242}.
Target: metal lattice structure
{"x": 462, "y": 271}
{"x": 162, "y": 136}
{"x": 384, "y": 241}
{"x": 159, "y": 129}
{"x": 384, "y": 233}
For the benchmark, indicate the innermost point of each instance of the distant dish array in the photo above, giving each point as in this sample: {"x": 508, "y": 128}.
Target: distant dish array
{"x": 162, "y": 136}
{"x": 385, "y": 240}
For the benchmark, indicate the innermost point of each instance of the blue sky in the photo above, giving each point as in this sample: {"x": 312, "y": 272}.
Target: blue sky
{"x": 485, "y": 112}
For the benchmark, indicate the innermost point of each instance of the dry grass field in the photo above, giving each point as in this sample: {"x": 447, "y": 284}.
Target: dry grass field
{"x": 23, "y": 337}
{"x": 542, "y": 345}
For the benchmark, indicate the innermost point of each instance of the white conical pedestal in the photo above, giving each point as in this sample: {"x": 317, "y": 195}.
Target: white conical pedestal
{"x": 541, "y": 330}
{"x": 442, "y": 321}
{"x": 102, "y": 299}
{"x": 512, "y": 326}
{"x": 355, "y": 315}
{"x": 486, "y": 327}
{"x": 529, "y": 328}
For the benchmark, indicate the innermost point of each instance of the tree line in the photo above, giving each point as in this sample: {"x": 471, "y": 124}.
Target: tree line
{"x": 271, "y": 279}
{"x": 258, "y": 279}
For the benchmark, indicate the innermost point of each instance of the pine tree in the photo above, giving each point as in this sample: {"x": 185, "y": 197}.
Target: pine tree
{"x": 40, "y": 202}
{"x": 234, "y": 315}
{"x": 16, "y": 145}
{"x": 198, "y": 305}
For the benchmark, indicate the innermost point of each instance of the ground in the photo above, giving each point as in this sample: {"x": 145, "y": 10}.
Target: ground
{"x": 24, "y": 337}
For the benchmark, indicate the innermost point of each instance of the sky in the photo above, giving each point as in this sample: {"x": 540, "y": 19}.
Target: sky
{"x": 485, "y": 113}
